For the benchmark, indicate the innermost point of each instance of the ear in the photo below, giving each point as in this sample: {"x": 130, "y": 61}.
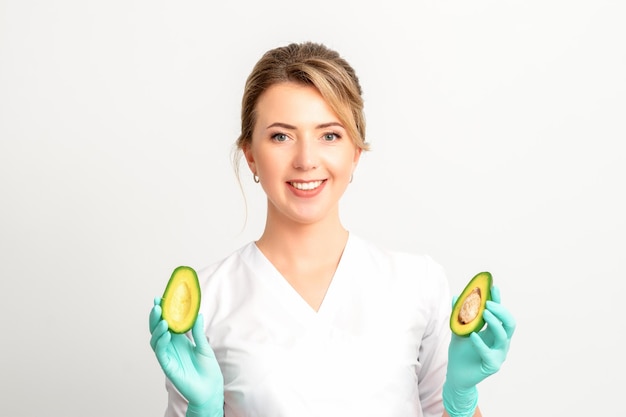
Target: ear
{"x": 357, "y": 157}
{"x": 248, "y": 154}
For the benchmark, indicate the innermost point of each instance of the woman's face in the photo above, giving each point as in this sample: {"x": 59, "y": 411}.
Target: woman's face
{"x": 301, "y": 153}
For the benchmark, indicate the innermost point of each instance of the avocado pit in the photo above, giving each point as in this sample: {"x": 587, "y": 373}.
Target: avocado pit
{"x": 470, "y": 307}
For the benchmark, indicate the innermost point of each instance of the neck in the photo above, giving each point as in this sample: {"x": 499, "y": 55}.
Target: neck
{"x": 284, "y": 240}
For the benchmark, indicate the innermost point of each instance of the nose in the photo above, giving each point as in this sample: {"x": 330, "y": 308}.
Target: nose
{"x": 306, "y": 155}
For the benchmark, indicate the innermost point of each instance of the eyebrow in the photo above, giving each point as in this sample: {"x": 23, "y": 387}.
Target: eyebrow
{"x": 291, "y": 127}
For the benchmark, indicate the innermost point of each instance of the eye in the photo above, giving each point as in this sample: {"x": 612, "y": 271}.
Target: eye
{"x": 280, "y": 137}
{"x": 331, "y": 137}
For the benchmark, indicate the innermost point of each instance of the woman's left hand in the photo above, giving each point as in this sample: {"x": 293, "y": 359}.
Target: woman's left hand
{"x": 474, "y": 358}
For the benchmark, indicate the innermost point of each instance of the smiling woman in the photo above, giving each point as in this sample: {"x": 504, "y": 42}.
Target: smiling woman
{"x": 302, "y": 155}
{"x": 309, "y": 319}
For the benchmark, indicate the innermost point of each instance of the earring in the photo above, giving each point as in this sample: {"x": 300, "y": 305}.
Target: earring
{"x": 255, "y": 177}
{"x": 351, "y": 177}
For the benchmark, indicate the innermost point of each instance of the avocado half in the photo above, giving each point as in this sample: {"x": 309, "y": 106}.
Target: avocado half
{"x": 467, "y": 312}
{"x": 181, "y": 300}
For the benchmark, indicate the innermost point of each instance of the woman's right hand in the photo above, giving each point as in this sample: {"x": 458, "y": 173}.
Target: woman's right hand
{"x": 191, "y": 367}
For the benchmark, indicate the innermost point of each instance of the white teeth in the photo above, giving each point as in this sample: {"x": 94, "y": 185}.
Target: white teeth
{"x": 306, "y": 186}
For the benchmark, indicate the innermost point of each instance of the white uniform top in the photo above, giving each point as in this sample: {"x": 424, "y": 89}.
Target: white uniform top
{"x": 376, "y": 347}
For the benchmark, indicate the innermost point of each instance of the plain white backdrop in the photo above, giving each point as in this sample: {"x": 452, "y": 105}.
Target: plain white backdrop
{"x": 497, "y": 130}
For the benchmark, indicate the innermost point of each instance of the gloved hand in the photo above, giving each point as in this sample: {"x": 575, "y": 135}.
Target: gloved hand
{"x": 190, "y": 366}
{"x": 474, "y": 358}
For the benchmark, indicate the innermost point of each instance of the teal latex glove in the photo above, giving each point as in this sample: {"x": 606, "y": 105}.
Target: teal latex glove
{"x": 190, "y": 366}
{"x": 474, "y": 358}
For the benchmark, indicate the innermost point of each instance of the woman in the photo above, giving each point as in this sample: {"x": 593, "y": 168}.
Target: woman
{"x": 311, "y": 320}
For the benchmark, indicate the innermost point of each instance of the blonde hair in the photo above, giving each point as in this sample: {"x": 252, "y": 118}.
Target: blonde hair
{"x": 308, "y": 64}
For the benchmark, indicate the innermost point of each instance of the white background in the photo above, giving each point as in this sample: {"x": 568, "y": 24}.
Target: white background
{"x": 497, "y": 130}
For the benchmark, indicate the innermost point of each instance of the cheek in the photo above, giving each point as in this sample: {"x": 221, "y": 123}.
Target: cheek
{"x": 267, "y": 165}
{"x": 344, "y": 162}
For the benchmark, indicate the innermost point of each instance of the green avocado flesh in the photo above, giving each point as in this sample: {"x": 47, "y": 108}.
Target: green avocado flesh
{"x": 181, "y": 300}
{"x": 467, "y": 312}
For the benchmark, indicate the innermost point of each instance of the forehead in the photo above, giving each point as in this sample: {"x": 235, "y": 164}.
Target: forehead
{"x": 293, "y": 103}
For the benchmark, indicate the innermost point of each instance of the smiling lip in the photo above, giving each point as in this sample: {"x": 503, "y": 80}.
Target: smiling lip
{"x": 306, "y": 188}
